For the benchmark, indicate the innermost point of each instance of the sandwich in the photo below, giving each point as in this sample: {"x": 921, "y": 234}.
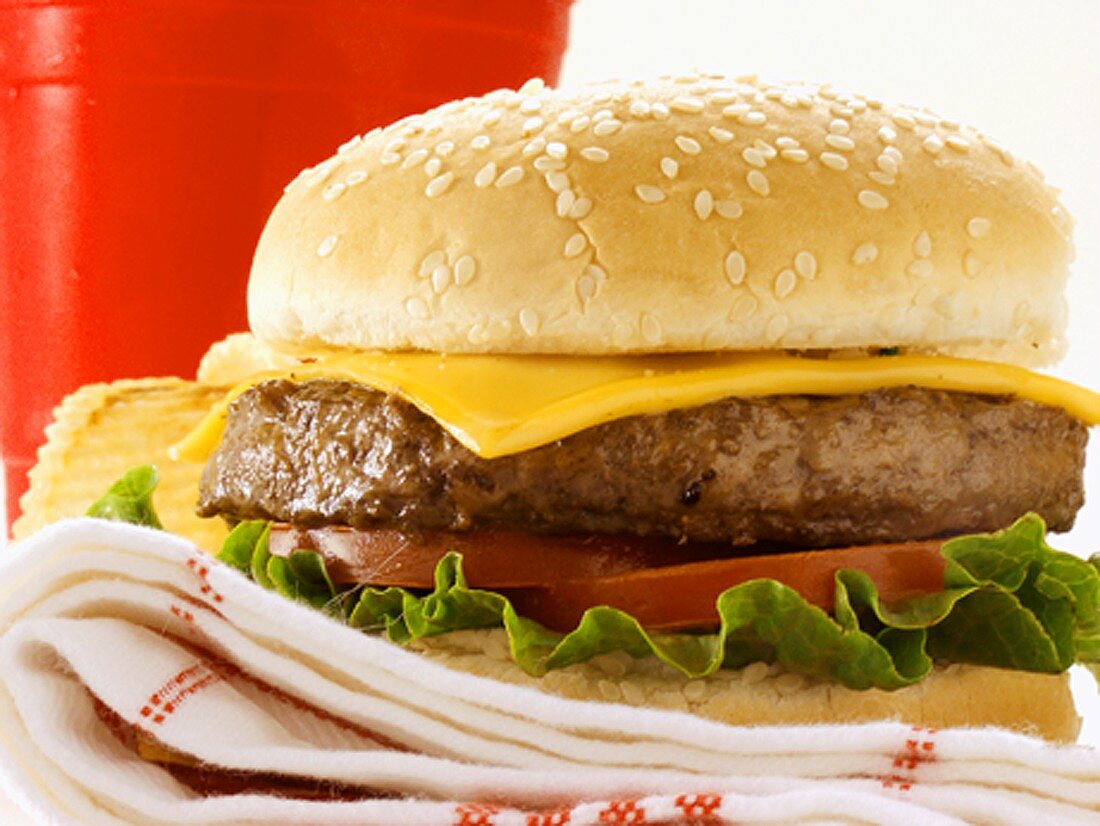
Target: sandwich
{"x": 699, "y": 393}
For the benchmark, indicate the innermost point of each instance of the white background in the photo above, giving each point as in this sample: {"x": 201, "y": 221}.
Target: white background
{"x": 1024, "y": 71}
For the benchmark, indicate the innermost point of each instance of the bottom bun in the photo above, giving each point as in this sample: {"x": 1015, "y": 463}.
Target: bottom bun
{"x": 759, "y": 694}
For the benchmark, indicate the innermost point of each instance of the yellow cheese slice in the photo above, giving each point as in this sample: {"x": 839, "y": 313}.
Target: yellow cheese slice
{"x": 499, "y": 405}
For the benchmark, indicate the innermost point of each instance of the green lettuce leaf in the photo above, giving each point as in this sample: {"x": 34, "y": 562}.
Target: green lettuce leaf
{"x": 1009, "y": 600}
{"x": 130, "y": 499}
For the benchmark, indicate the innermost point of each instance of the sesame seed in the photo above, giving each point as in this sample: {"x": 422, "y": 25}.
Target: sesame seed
{"x": 544, "y": 163}
{"x": 557, "y": 150}
{"x": 904, "y": 120}
{"x": 1006, "y": 156}
{"x": 806, "y": 265}
{"x": 957, "y": 143}
{"x": 431, "y": 261}
{"x": 650, "y": 194}
{"x": 465, "y": 270}
{"x": 417, "y": 307}
{"x": 586, "y": 287}
{"x": 580, "y": 124}
{"x": 723, "y": 96}
{"x": 511, "y": 176}
{"x": 492, "y": 118}
{"x": 921, "y": 268}
{"x": 575, "y": 245}
{"x": 777, "y": 327}
{"x": 395, "y": 146}
{"x": 557, "y": 181}
{"x": 841, "y": 142}
{"x": 535, "y": 146}
{"x": 743, "y": 307}
{"x": 735, "y": 267}
{"x": 441, "y": 278}
{"x": 639, "y": 108}
{"x": 347, "y": 146}
{"x": 789, "y": 100}
{"x": 933, "y": 144}
{"x": 839, "y": 126}
{"x": 872, "y": 200}
{"x": 486, "y": 175}
{"x": 355, "y": 177}
{"x": 445, "y": 148}
{"x": 753, "y": 118}
{"x": 925, "y": 119}
{"x": 603, "y": 114}
{"x": 480, "y": 142}
{"x": 758, "y": 182}
{"x": 721, "y": 135}
{"x": 529, "y": 321}
{"x": 795, "y": 155}
{"x": 566, "y": 117}
{"x": 865, "y": 253}
{"x": 688, "y": 104}
{"x": 607, "y": 127}
{"x": 659, "y": 111}
{"x": 784, "y": 283}
{"x": 530, "y": 106}
{"x": 887, "y": 164}
{"x": 596, "y": 154}
{"x": 922, "y": 245}
{"x": 651, "y": 329}
{"x": 432, "y": 167}
{"x": 881, "y": 178}
{"x": 765, "y": 148}
{"x": 389, "y": 158}
{"x": 834, "y": 161}
{"x": 688, "y": 145}
{"x": 785, "y": 142}
{"x": 439, "y": 184}
{"x": 893, "y": 152}
{"x": 532, "y": 86}
{"x": 728, "y": 209}
{"x": 532, "y": 125}
{"x": 415, "y": 159}
{"x": 971, "y": 263}
{"x": 327, "y": 245}
{"x": 333, "y": 191}
{"x": 754, "y": 157}
{"x": 704, "y": 204}
{"x": 736, "y": 110}
{"x": 564, "y": 202}
{"x": 887, "y": 135}
{"x": 978, "y": 227}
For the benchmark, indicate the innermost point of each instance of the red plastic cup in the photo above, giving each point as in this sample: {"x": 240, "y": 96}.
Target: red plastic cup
{"x": 143, "y": 143}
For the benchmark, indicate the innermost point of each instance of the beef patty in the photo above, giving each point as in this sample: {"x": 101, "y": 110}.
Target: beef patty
{"x": 804, "y": 471}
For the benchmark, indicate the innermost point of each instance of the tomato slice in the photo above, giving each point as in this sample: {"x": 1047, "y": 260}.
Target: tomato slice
{"x": 682, "y": 597}
{"x": 490, "y": 559}
{"x": 553, "y": 579}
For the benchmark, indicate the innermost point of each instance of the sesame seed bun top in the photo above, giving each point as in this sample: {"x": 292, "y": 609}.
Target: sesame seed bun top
{"x": 688, "y": 213}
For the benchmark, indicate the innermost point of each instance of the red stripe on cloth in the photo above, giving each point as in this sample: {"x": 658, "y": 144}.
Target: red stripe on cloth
{"x": 167, "y": 699}
{"x": 919, "y": 749}
{"x": 199, "y": 567}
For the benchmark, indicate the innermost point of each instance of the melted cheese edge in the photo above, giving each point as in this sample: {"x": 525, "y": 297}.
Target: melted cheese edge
{"x": 498, "y": 405}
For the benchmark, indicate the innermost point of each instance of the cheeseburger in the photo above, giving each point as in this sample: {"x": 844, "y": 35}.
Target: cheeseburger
{"x": 699, "y": 393}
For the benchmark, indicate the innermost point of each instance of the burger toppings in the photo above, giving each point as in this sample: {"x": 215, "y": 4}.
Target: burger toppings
{"x": 793, "y": 471}
{"x": 498, "y": 405}
{"x": 1006, "y": 600}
